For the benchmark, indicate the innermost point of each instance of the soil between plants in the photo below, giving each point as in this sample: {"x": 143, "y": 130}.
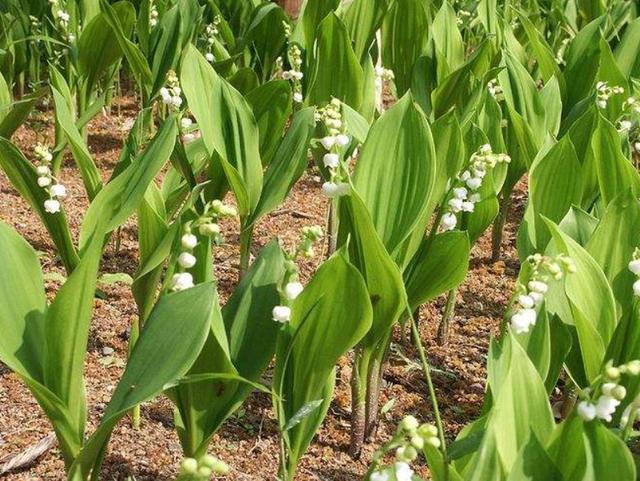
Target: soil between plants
{"x": 248, "y": 440}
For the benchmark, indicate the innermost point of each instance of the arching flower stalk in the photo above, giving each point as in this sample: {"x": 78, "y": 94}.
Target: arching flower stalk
{"x": 206, "y": 225}
{"x": 294, "y": 74}
{"x": 409, "y": 439}
{"x": 463, "y": 194}
{"x": 47, "y": 181}
{"x": 604, "y": 92}
{"x": 602, "y": 398}
{"x": 291, "y": 287}
{"x": 334, "y": 145}
{"x": 153, "y": 14}
{"x": 211, "y": 32}
{"x": 172, "y": 94}
{"x": 529, "y": 294}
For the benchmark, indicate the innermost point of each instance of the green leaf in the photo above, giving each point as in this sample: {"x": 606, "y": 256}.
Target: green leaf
{"x": 333, "y": 53}
{"x": 396, "y": 172}
{"x": 302, "y": 413}
{"x": 363, "y": 19}
{"x": 534, "y": 464}
{"x": 228, "y": 127}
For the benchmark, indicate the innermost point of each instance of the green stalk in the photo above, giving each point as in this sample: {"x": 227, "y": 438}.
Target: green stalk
{"x": 358, "y": 402}
{"x": 432, "y": 394}
{"x": 498, "y": 226}
{"x": 332, "y": 227}
{"x": 246, "y": 239}
{"x": 449, "y": 310}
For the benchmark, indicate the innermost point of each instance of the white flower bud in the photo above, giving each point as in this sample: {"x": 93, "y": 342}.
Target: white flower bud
{"x": 537, "y": 297}
{"x": 448, "y": 221}
{"x": 328, "y": 142}
{"x": 330, "y": 189}
{"x": 58, "y": 190}
{"x": 586, "y": 411}
{"x": 634, "y": 266}
{"x": 636, "y": 288}
{"x": 209, "y": 56}
{"x": 331, "y": 160}
{"x": 209, "y": 229}
{"x": 526, "y": 302}
{"x": 474, "y": 183}
{"x": 181, "y": 281}
{"x": 185, "y": 123}
{"x": 468, "y": 206}
{"x": 281, "y": 314}
{"x": 293, "y": 290}
{"x": 44, "y": 181}
{"x": 403, "y": 471}
{"x": 43, "y": 170}
{"x": 538, "y": 286}
{"x": 187, "y": 260}
{"x": 297, "y": 97}
{"x": 409, "y": 423}
{"x": 51, "y": 206}
{"x": 189, "y": 241}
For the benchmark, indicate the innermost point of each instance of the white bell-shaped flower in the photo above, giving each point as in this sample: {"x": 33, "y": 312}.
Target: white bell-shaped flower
{"x": 586, "y": 411}
{"x": 187, "y": 260}
{"x": 281, "y": 313}
{"x": 634, "y": 266}
{"x": 58, "y": 190}
{"x": 44, "y": 181}
{"x": 189, "y": 241}
{"x": 181, "y": 281}
{"x": 51, "y": 206}
{"x": 331, "y": 160}
{"x": 293, "y": 290}
{"x": 448, "y": 221}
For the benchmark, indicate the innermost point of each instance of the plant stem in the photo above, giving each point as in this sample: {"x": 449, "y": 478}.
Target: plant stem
{"x": 332, "y": 227}
{"x": 246, "y": 238}
{"x": 358, "y": 404}
{"x": 432, "y": 394}
{"x": 498, "y": 226}
{"x": 133, "y": 338}
{"x": 449, "y": 310}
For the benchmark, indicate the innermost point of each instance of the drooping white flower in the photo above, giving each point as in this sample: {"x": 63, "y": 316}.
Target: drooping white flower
{"x": 448, "y": 221}
{"x": 466, "y": 175}
{"x": 526, "y": 302}
{"x": 331, "y": 160}
{"x": 380, "y": 476}
{"x": 189, "y": 241}
{"x": 636, "y": 288}
{"x": 342, "y": 140}
{"x": 176, "y": 101}
{"x": 297, "y": 97}
{"x": 328, "y": 142}
{"x": 586, "y": 411}
{"x": 624, "y": 126}
{"x": 181, "y": 281}
{"x": 330, "y": 189}
{"x": 537, "y": 297}
{"x": 51, "y": 206}
{"x": 44, "y": 181}
{"x": 605, "y": 407}
{"x": 460, "y": 193}
{"x": 634, "y": 266}
{"x": 281, "y": 314}
{"x": 537, "y": 286}
{"x": 43, "y": 170}
{"x": 209, "y": 56}
{"x": 474, "y": 183}
{"x": 58, "y": 190}
{"x": 455, "y": 204}
{"x": 185, "y": 123}
{"x": 403, "y": 471}
{"x": 468, "y": 206}
{"x": 187, "y": 260}
{"x": 293, "y": 290}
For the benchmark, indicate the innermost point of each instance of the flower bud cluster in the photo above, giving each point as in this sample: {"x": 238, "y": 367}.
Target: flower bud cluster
{"x": 172, "y": 93}
{"x": 193, "y": 470}
{"x": 495, "y": 89}
{"x": 46, "y": 180}
{"x": 604, "y": 92}
{"x": 211, "y": 32}
{"x": 410, "y": 438}
{"x": 189, "y": 133}
{"x": 295, "y": 74}
{"x": 334, "y": 144}
{"x": 532, "y": 295}
{"x": 62, "y": 19}
{"x": 291, "y": 287}
{"x": 634, "y": 266}
{"x": 153, "y": 14}
{"x": 207, "y": 226}
{"x": 462, "y": 16}
{"x": 460, "y": 199}
{"x": 382, "y": 75}
{"x": 602, "y": 401}
{"x": 560, "y": 53}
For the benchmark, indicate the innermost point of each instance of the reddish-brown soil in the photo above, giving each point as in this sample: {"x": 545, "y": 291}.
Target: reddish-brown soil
{"x": 248, "y": 441}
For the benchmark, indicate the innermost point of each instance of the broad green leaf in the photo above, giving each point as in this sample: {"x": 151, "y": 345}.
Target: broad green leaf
{"x": 363, "y": 19}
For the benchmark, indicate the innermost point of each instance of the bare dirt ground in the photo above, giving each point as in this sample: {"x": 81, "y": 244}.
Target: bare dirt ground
{"x": 248, "y": 441}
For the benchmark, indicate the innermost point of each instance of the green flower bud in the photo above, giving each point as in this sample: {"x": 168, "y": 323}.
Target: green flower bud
{"x": 189, "y": 466}
{"x": 417, "y": 442}
{"x": 409, "y": 423}
{"x": 428, "y": 431}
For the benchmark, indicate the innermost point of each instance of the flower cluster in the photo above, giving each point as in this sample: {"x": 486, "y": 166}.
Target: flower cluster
{"x": 462, "y": 16}
{"x": 382, "y": 75}
{"x": 634, "y": 266}
{"x": 62, "y": 18}
{"x": 207, "y": 226}
{"x": 47, "y": 181}
{"x": 602, "y": 400}
{"x": 192, "y": 470}
{"x": 459, "y": 199}
{"x": 172, "y": 93}
{"x": 561, "y": 51}
{"x": 532, "y": 295}
{"x": 604, "y": 92}
{"x": 153, "y": 15}
{"x": 291, "y": 286}
{"x": 409, "y": 439}
{"x": 334, "y": 143}
{"x": 211, "y": 31}
{"x": 495, "y": 89}
{"x": 188, "y": 131}
{"x": 295, "y": 74}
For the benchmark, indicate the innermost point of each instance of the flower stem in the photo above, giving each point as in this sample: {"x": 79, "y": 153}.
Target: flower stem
{"x": 449, "y": 310}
